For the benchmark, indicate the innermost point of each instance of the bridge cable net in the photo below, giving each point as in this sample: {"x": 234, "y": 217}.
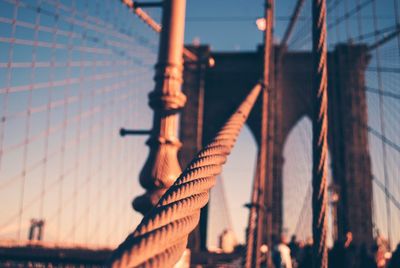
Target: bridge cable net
{"x": 161, "y": 237}
{"x": 220, "y": 220}
{"x": 374, "y": 24}
{"x": 72, "y": 74}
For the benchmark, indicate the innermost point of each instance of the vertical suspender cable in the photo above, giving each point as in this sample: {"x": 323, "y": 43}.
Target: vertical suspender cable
{"x": 346, "y": 11}
{"x": 382, "y": 125}
{"x": 397, "y": 21}
{"x": 8, "y": 82}
{"x": 320, "y": 134}
{"x": 252, "y": 218}
{"x": 28, "y": 126}
{"x": 337, "y": 28}
{"x": 48, "y": 153}
{"x": 262, "y": 166}
{"x": 78, "y": 165}
{"x": 359, "y": 24}
{"x": 63, "y": 149}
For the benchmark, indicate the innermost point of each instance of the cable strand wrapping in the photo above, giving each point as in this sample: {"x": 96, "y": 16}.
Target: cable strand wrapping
{"x": 161, "y": 237}
{"x": 320, "y": 135}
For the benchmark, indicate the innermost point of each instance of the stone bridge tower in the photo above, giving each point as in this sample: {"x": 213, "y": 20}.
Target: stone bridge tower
{"x": 214, "y": 92}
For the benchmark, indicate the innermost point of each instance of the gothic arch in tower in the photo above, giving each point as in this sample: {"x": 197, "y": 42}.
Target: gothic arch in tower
{"x": 215, "y": 91}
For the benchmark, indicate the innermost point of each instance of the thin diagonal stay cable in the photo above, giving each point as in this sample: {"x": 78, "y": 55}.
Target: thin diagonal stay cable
{"x": 382, "y": 124}
{"x": 145, "y": 17}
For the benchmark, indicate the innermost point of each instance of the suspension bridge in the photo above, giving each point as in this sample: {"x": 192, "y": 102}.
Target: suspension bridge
{"x": 105, "y": 106}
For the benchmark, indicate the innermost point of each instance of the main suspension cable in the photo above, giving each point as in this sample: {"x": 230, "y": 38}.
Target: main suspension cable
{"x": 161, "y": 237}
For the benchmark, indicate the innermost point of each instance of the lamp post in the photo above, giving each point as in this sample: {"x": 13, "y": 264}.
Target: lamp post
{"x": 162, "y": 166}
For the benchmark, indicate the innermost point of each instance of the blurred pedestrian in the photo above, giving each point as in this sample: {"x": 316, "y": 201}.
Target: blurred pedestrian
{"x": 281, "y": 253}
{"x": 395, "y": 260}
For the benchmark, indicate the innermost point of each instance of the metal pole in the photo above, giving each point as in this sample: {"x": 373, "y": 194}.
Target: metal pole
{"x": 320, "y": 134}
{"x": 253, "y": 211}
{"x": 162, "y": 166}
{"x": 263, "y": 215}
{"x": 124, "y": 132}
{"x": 261, "y": 208}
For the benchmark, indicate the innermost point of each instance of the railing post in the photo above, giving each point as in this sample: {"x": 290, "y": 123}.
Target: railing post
{"x": 162, "y": 166}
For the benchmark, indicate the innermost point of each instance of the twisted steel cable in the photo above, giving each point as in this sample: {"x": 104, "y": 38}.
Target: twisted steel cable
{"x": 320, "y": 134}
{"x": 161, "y": 237}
